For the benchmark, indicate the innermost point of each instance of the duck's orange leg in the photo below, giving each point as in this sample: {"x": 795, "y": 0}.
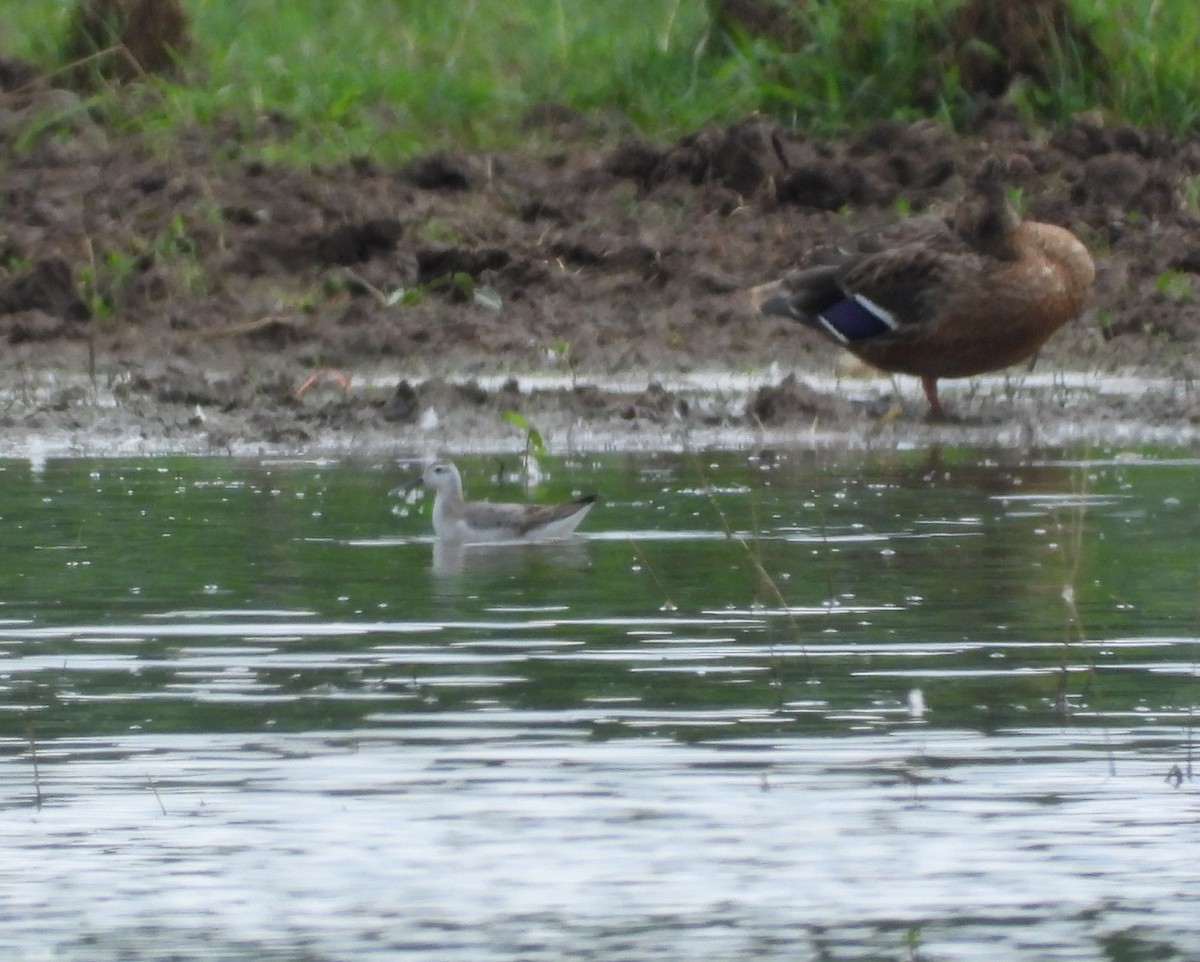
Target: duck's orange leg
{"x": 936, "y": 411}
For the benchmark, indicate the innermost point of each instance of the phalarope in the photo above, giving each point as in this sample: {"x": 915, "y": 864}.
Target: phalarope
{"x": 485, "y": 522}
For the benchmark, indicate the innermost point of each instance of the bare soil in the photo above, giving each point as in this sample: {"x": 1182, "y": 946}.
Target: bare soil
{"x": 178, "y": 296}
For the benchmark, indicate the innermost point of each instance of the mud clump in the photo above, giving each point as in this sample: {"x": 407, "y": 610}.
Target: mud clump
{"x": 403, "y": 405}
{"x": 756, "y": 18}
{"x": 790, "y": 401}
{"x": 46, "y": 286}
{"x": 786, "y": 22}
{"x": 350, "y": 244}
{"x": 758, "y": 160}
{"x": 743, "y": 157}
{"x": 436, "y": 263}
{"x": 992, "y": 44}
{"x": 987, "y": 45}
{"x": 657, "y": 405}
{"x": 439, "y": 171}
{"x": 125, "y": 39}
{"x": 1125, "y": 182}
{"x": 16, "y": 74}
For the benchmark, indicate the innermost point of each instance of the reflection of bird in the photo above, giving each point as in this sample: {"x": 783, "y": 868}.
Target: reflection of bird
{"x": 478, "y": 522}
{"x": 939, "y": 299}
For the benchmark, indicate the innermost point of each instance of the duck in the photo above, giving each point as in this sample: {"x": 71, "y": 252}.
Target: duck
{"x": 943, "y": 297}
{"x": 458, "y": 520}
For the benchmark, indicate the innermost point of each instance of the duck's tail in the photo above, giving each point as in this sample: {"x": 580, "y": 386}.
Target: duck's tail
{"x": 813, "y": 298}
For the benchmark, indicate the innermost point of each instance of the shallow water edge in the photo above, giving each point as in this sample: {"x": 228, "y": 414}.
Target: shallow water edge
{"x": 55, "y": 415}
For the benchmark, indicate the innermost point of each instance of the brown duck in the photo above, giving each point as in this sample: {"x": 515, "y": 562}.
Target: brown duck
{"x": 944, "y": 298}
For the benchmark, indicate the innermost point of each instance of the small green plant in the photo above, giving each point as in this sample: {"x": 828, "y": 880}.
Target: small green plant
{"x": 912, "y": 939}
{"x": 308, "y": 299}
{"x": 1190, "y": 190}
{"x": 1175, "y": 285}
{"x": 463, "y": 287}
{"x": 179, "y": 252}
{"x": 405, "y": 296}
{"x": 459, "y": 283}
{"x": 1016, "y": 197}
{"x": 436, "y": 230}
{"x": 104, "y": 282}
{"x": 535, "y": 446}
{"x": 559, "y": 352}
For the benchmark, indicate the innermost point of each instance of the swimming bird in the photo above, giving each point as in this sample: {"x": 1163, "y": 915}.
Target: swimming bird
{"x": 481, "y": 522}
{"x": 944, "y": 299}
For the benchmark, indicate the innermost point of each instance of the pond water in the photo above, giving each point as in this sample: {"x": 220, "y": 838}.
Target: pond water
{"x": 934, "y": 705}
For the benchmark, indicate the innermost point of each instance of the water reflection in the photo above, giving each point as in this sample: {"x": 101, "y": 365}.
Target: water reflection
{"x": 917, "y": 705}
{"x": 530, "y": 561}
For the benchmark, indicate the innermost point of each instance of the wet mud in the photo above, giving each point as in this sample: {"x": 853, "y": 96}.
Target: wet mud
{"x": 188, "y": 296}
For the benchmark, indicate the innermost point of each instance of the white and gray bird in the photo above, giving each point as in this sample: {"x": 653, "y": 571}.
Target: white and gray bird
{"x": 486, "y": 522}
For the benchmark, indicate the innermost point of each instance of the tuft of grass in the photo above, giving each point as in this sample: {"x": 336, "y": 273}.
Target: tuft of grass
{"x": 1152, "y": 82}
{"x": 328, "y": 79}
{"x": 1175, "y": 286}
{"x": 858, "y": 63}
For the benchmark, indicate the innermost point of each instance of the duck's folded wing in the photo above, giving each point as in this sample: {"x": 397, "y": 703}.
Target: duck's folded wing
{"x": 904, "y": 269}
{"x": 930, "y": 232}
{"x": 911, "y": 283}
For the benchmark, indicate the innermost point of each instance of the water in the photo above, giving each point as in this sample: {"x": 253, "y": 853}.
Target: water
{"x": 918, "y": 705}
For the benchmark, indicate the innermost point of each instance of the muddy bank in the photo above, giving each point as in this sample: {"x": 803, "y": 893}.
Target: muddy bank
{"x": 387, "y": 415}
{"x": 180, "y": 296}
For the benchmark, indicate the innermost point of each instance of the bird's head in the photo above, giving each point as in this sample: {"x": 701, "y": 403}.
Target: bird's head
{"x": 985, "y": 218}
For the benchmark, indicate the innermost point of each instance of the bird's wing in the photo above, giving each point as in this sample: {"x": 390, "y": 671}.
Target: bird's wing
{"x": 518, "y": 519}
{"x": 904, "y": 268}
{"x": 911, "y": 282}
{"x": 537, "y": 515}
{"x": 494, "y": 516}
{"x": 935, "y": 233}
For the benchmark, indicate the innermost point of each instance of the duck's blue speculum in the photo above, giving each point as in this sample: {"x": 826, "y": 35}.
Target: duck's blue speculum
{"x": 856, "y": 318}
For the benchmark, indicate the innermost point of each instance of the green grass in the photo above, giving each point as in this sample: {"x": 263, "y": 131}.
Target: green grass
{"x": 389, "y": 78}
